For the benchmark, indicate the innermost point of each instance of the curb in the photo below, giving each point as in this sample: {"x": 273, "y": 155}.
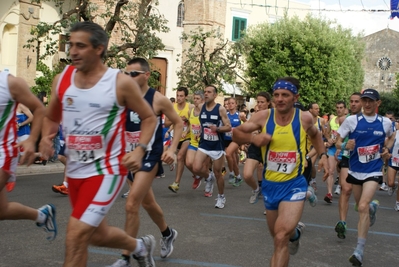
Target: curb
{"x": 35, "y": 169}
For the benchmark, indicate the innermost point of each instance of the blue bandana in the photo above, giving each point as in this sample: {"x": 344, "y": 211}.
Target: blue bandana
{"x": 285, "y": 85}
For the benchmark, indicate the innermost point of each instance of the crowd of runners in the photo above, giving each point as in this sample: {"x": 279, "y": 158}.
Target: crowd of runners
{"x": 115, "y": 127}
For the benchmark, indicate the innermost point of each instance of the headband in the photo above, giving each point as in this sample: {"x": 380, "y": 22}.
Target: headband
{"x": 285, "y": 85}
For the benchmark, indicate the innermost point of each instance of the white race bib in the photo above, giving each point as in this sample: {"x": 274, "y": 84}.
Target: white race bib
{"x": 209, "y": 135}
{"x": 85, "y": 148}
{"x": 283, "y": 162}
{"x": 368, "y": 153}
{"x": 195, "y": 129}
{"x": 132, "y": 139}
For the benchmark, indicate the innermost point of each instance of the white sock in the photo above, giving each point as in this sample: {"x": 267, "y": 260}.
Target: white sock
{"x": 65, "y": 183}
{"x": 231, "y": 173}
{"x": 221, "y": 195}
{"x": 140, "y": 248}
{"x": 257, "y": 189}
{"x": 41, "y": 217}
{"x": 238, "y": 176}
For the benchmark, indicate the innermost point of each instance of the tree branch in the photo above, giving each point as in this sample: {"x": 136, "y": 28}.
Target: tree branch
{"x": 115, "y": 17}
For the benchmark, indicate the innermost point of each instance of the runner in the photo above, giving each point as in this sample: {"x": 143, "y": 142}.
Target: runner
{"x": 14, "y": 90}
{"x": 283, "y": 142}
{"x": 91, "y": 99}
{"x": 214, "y": 123}
{"x": 366, "y": 132}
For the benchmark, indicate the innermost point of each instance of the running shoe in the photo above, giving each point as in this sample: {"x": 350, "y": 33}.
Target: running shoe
{"x": 125, "y": 195}
{"x": 174, "y": 187}
{"x": 220, "y": 201}
{"x": 209, "y": 186}
{"x": 10, "y": 186}
{"x": 50, "y": 224}
{"x": 238, "y": 182}
{"x": 254, "y": 197}
{"x": 313, "y": 185}
{"x": 120, "y": 263}
{"x": 232, "y": 178}
{"x": 396, "y": 206}
{"x": 147, "y": 260}
{"x": 167, "y": 244}
{"x": 62, "y": 189}
{"x": 172, "y": 166}
{"x": 340, "y": 228}
{"x": 384, "y": 187}
{"x": 356, "y": 259}
{"x": 337, "y": 190}
{"x": 196, "y": 182}
{"x": 293, "y": 246}
{"x": 336, "y": 181}
{"x": 391, "y": 190}
{"x": 373, "y": 210}
{"x": 328, "y": 198}
{"x": 312, "y": 198}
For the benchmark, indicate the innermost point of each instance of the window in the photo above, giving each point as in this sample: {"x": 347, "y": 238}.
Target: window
{"x": 63, "y": 45}
{"x": 180, "y": 14}
{"x": 239, "y": 26}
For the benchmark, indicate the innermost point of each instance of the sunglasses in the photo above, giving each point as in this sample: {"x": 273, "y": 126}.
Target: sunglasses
{"x": 134, "y": 73}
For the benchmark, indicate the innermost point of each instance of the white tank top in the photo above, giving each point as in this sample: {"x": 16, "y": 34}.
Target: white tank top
{"x": 93, "y": 125}
{"x": 8, "y": 120}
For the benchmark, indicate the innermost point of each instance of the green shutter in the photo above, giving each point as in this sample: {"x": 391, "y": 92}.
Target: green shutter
{"x": 239, "y": 26}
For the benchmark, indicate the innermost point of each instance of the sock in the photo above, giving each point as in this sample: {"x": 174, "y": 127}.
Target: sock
{"x": 41, "y": 217}
{"x": 296, "y": 236}
{"x": 313, "y": 180}
{"x": 140, "y": 249}
{"x": 125, "y": 257}
{"x": 232, "y": 173}
{"x": 221, "y": 195}
{"x": 65, "y": 184}
{"x": 238, "y": 176}
{"x": 197, "y": 177}
{"x": 167, "y": 232}
{"x": 360, "y": 244}
{"x": 257, "y": 189}
{"x": 209, "y": 176}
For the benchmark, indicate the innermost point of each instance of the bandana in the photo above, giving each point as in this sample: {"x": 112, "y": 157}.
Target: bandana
{"x": 285, "y": 85}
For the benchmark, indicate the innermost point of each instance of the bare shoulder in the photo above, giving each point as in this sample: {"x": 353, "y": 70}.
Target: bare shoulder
{"x": 161, "y": 103}
{"x": 306, "y": 118}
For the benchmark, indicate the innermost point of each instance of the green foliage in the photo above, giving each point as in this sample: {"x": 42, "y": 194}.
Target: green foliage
{"x": 395, "y": 90}
{"x": 131, "y": 25}
{"x": 323, "y": 55}
{"x": 204, "y": 64}
{"x": 389, "y": 102}
{"x": 43, "y": 83}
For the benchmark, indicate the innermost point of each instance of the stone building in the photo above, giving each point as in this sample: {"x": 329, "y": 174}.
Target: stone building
{"x": 381, "y": 60}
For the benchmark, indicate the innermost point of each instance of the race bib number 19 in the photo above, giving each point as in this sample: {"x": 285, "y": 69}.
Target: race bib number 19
{"x": 85, "y": 148}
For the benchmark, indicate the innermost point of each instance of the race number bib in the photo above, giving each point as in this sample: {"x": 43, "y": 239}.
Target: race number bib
{"x": 230, "y": 134}
{"x": 85, "y": 148}
{"x": 209, "y": 135}
{"x": 368, "y": 153}
{"x": 334, "y": 134}
{"x": 196, "y": 129}
{"x": 395, "y": 161}
{"x": 132, "y": 139}
{"x": 185, "y": 125}
{"x": 283, "y": 162}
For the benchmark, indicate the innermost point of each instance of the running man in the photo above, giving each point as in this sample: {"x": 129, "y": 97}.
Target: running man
{"x": 346, "y": 188}
{"x": 283, "y": 142}
{"x": 367, "y": 132}
{"x": 140, "y": 192}
{"x": 92, "y": 99}
{"x": 214, "y": 123}
{"x": 14, "y": 90}
{"x": 182, "y": 107}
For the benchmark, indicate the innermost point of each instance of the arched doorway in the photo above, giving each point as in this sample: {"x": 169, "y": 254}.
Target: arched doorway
{"x": 159, "y": 68}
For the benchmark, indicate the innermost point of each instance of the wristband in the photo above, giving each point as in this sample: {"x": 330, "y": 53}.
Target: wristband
{"x": 143, "y": 146}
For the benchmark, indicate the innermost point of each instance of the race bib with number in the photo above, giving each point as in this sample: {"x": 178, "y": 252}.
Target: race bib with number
{"x": 195, "y": 129}
{"x": 283, "y": 162}
{"x": 209, "y": 135}
{"x": 368, "y": 153}
{"x": 185, "y": 125}
{"x": 334, "y": 134}
{"x": 230, "y": 134}
{"x": 132, "y": 139}
{"x": 395, "y": 161}
{"x": 85, "y": 148}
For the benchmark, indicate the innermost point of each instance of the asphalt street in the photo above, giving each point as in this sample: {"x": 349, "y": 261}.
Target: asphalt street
{"x": 235, "y": 236}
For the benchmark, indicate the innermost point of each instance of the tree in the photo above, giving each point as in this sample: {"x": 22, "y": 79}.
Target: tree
{"x": 204, "y": 64}
{"x": 131, "y": 25}
{"x": 323, "y": 55}
{"x": 390, "y": 102}
{"x": 43, "y": 83}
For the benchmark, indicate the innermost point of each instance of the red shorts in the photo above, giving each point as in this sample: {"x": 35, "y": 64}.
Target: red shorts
{"x": 91, "y": 198}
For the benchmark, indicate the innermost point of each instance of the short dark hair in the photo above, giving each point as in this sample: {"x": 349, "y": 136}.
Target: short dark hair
{"x": 142, "y": 61}
{"x": 183, "y": 89}
{"x": 172, "y": 99}
{"x": 310, "y": 106}
{"x": 98, "y": 35}
{"x": 357, "y": 93}
{"x": 213, "y": 86}
{"x": 341, "y": 102}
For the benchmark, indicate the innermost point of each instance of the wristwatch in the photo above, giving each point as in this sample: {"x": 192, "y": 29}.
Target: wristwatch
{"x": 143, "y": 146}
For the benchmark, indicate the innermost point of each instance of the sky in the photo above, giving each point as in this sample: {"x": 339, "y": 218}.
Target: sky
{"x": 359, "y": 21}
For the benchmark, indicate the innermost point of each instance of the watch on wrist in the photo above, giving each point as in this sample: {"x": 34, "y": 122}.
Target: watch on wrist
{"x": 143, "y": 146}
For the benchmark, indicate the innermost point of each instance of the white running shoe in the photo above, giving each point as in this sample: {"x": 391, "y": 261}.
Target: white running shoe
{"x": 254, "y": 197}
{"x": 384, "y": 187}
{"x": 220, "y": 201}
{"x": 120, "y": 263}
{"x": 337, "y": 190}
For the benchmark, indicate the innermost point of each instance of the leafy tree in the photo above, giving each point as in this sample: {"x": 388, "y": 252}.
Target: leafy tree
{"x": 43, "y": 83}
{"x": 205, "y": 64}
{"x": 323, "y": 55}
{"x": 131, "y": 25}
{"x": 390, "y": 102}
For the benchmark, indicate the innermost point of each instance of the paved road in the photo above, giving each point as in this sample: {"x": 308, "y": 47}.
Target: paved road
{"x": 235, "y": 236}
